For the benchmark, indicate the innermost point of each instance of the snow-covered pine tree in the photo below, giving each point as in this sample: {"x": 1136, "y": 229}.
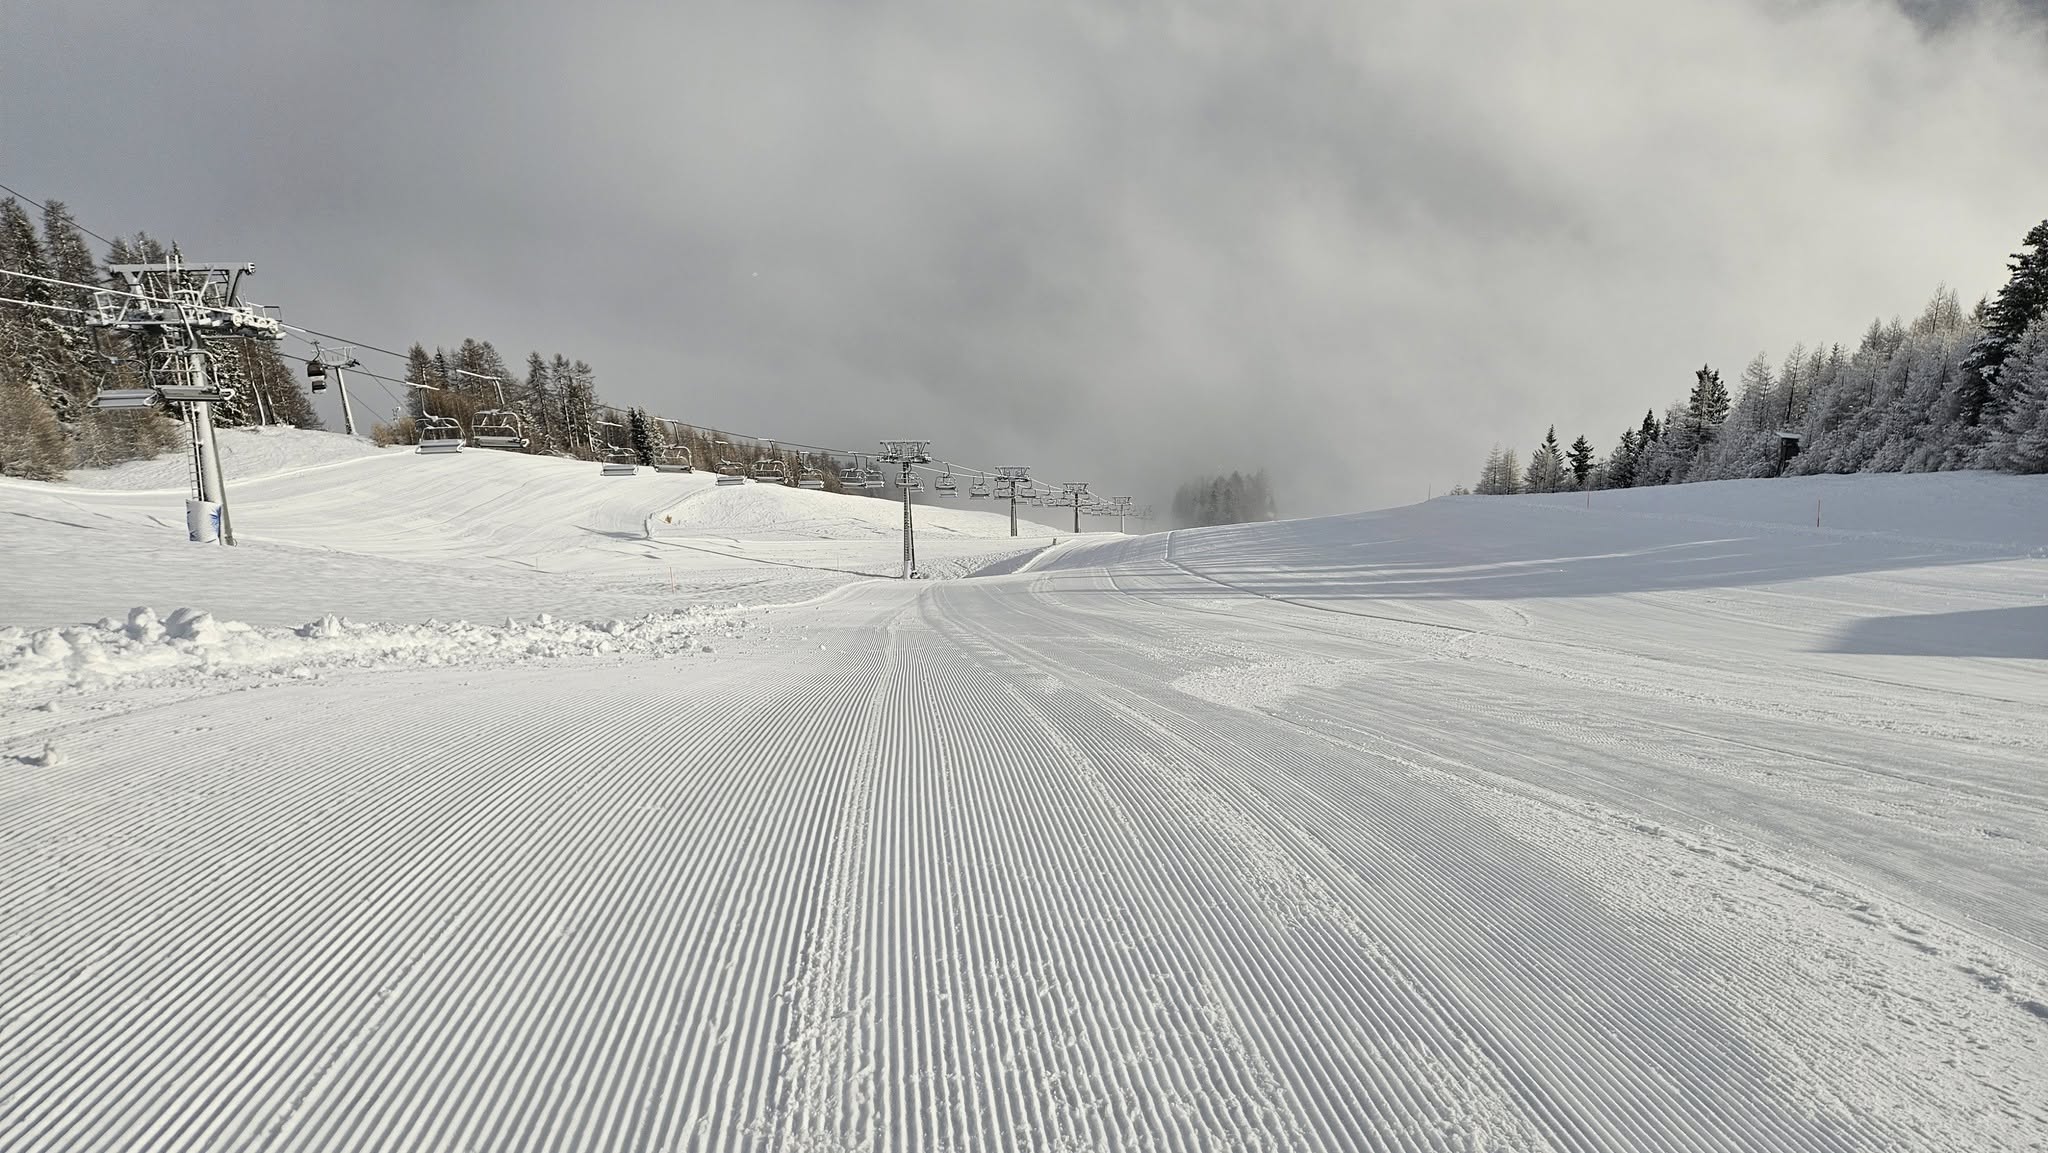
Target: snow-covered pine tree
{"x": 1621, "y": 463}
{"x": 637, "y": 437}
{"x": 2020, "y": 443}
{"x": 1546, "y": 465}
{"x": 542, "y": 407}
{"x": 1581, "y": 461}
{"x": 2017, "y": 305}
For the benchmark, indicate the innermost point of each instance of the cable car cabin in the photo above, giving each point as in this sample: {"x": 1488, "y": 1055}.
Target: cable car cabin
{"x": 674, "y": 458}
{"x": 497, "y": 428}
{"x": 316, "y": 376}
{"x": 771, "y": 470}
{"x": 438, "y": 435}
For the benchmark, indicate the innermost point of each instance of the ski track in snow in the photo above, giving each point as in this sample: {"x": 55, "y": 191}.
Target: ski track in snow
{"x": 1152, "y": 844}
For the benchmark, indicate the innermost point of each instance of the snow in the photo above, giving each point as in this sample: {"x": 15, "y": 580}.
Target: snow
{"x": 1494, "y": 824}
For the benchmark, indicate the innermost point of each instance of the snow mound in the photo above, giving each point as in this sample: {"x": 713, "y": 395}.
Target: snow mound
{"x": 246, "y": 454}
{"x": 192, "y": 643}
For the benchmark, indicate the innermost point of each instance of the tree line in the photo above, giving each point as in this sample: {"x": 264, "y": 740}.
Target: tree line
{"x": 1234, "y": 499}
{"x": 1953, "y": 389}
{"x": 52, "y": 362}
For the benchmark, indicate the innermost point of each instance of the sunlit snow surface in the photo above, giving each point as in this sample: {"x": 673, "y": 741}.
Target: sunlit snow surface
{"x": 483, "y": 802}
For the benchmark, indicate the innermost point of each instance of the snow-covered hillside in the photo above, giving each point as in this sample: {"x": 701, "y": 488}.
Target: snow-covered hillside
{"x": 330, "y": 525}
{"x": 1666, "y": 822}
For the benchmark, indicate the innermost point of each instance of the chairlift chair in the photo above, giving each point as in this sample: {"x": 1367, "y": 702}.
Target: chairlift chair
{"x": 618, "y": 462}
{"x": 871, "y": 476}
{"x": 1005, "y": 488}
{"x": 438, "y": 435}
{"x": 977, "y": 489}
{"x": 730, "y": 471}
{"x": 674, "y": 458}
{"x": 915, "y": 483}
{"x": 810, "y": 475}
{"x": 947, "y": 487}
{"x": 770, "y": 470}
{"x": 497, "y": 428}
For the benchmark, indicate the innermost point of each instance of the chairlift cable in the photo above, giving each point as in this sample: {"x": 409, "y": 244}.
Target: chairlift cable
{"x": 67, "y": 215}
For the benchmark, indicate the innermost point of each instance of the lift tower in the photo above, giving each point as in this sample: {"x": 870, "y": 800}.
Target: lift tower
{"x": 184, "y": 306}
{"x": 1076, "y": 489}
{"x": 907, "y": 453}
{"x": 1012, "y": 476}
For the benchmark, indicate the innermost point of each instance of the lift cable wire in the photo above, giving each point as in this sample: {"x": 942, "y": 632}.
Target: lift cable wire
{"x": 67, "y": 214}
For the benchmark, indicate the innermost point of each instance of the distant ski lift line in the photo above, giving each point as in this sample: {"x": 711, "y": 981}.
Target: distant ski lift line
{"x": 498, "y": 437}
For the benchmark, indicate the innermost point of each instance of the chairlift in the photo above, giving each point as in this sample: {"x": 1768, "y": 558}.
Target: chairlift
{"x": 730, "y": 470}
{"x": 438, "y": 435}
{"x": 810, "y": 475}
{"x": 871, "y": 476}
{"x": 618, "y": 458}
{"x": 911, "y": 481}
{"x": 770, "y": 470}
{"x": 497, "y": 428}
{"x": 947, "y": 487}
{"x": 1005, "y": 488}
{"x": 674, "y": 458}
{"x": 977, "y": 489}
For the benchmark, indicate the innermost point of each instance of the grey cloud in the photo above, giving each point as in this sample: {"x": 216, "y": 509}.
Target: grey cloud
{"x": 1355, "y": 243}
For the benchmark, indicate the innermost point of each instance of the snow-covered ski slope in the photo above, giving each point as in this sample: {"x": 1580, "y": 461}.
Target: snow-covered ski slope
{"x": 331, "y": 525}
{"x": 1485, "y": 824}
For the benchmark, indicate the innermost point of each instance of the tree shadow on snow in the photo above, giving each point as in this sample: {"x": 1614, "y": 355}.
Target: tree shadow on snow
{"x": 2015, "y": 632}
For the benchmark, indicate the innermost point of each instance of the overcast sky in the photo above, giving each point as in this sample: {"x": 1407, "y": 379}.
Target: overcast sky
{"x": 1354, "y": 243}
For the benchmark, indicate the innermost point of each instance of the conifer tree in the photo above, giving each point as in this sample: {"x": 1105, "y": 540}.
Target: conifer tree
{"x": 2023, "y": 299}
{"x": 1546, "y": 465}
{"x": 69, "y": 257}
{"x": 1581, "y": 460}
{"x": 636, "y": 433}
{"x": 541, "y": 405}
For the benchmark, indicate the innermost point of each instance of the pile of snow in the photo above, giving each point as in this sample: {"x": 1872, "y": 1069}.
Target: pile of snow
{"x": 246, "y": 454}
{"x": 191, "y": 643}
